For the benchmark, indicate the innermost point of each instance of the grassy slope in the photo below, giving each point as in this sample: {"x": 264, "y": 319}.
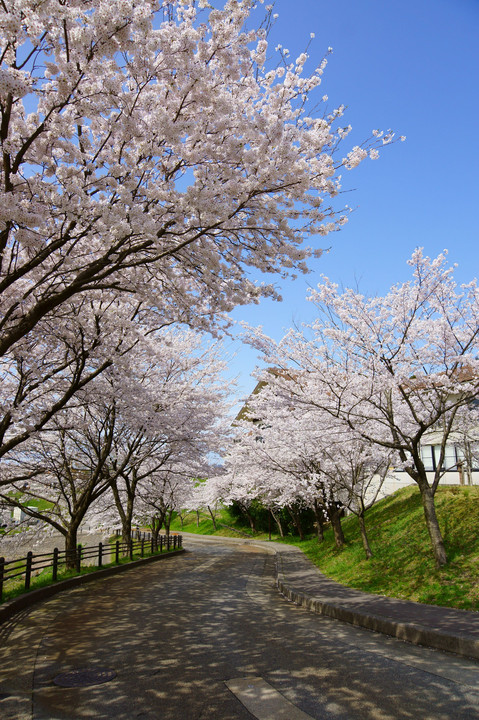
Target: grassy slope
{"x": 205, "y": 526}
{"x": 403, "y": 565}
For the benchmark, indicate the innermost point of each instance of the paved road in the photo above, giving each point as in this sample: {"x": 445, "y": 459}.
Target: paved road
{"x": 205, "y": 636}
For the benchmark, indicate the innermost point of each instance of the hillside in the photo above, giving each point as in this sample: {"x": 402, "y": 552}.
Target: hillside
{"x": 402, "y": 565}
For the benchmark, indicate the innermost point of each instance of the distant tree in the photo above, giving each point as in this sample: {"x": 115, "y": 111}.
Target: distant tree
{"x": 57, "y": 360}
{"x": 119, "y": 433}
{"x": 393, "y": 368}
{"x": 169, "y": 438}
{"x": 275, "y": 462}
{"x": 357, "y": 471}
{"x": 69, "y": 472}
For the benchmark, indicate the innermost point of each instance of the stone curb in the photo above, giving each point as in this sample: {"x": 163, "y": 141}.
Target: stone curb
{"x": 11, "y": 607}
{"x": 414, "y": 633}
{"x": 410, "y": 632}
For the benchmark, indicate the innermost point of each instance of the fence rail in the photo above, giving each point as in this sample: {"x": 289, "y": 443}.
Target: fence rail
{"x": 92, "y": 555}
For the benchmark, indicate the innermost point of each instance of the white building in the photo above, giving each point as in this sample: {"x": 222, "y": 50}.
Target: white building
{"x": 460, "y": 465}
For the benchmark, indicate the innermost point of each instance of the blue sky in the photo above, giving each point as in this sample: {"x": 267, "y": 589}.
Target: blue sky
{"x": 409, "y": 65}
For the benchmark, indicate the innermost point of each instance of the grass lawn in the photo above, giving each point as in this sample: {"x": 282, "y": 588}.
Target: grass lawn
{"x": 403, "y": 565}
{"x": 227, "y": 526}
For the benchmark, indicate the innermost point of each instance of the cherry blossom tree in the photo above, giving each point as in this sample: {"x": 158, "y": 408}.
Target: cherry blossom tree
{"x": 69, "y": 473}
{"x": 356, "y": 470}
{"x": 58, "y": 359}
{"x": 159, "y": 404}
{"x": 147, "y": 148}
{"x": 467, "y": 445}
{"x": 188, "y": 424}
{"x": 276, "y": 460}
{"x": 394, "y": 369}
{"x": 170, "y": 489}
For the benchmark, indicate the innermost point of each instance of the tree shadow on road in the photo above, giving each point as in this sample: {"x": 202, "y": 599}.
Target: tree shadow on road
{"x": 175, "y": 632}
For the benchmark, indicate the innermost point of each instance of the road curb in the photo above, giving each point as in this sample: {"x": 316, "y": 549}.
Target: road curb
{"x": 415, "y": 633}
{"x": 410, "y": 632}
{"x": 11, "y": 607}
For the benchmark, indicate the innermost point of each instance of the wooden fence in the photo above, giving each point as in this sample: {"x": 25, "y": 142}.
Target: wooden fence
{"x": 93, "y": 555}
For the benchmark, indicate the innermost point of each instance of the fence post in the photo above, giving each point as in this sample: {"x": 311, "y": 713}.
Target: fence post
{"x": 100, "y": 554}
{"x": 174, "y": 542}
{"x": 78, "y": 558}
{"x": 152, "y": 545}
{"x": 55, "y": 564}
{"x": 2, "y": 568}
{"x": 28, "y": 569}
{"x": 131, "y": 547}
{"x": 142, "y": 546}
{"x": 117, "y": 552}
{"x": 161, "y": 543}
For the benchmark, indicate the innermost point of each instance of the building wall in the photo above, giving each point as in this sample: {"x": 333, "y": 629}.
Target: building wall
{"x": 399, "y": 479}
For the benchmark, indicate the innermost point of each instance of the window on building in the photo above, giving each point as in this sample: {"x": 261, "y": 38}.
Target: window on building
{"x": 431, "y": 455}
{"x": 427, "y": 457}
{"x": 450, "y": 459}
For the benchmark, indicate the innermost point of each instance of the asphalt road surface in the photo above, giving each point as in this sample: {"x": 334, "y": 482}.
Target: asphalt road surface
{"x": 206, "y": 636}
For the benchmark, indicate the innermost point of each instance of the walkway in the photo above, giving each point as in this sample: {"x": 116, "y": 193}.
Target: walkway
{"x": 206, "y": 636}
{"x": 431, "y": 625}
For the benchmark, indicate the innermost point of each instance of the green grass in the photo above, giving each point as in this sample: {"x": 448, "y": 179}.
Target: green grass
{"x": 205, "y": 527}
{"x": 33, "y": 502}
{"x": 403, "y": 565}
{"x": 39, "y": 504}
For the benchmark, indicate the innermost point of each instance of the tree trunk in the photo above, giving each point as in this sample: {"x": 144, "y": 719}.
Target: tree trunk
{"x": 156, "y": 525}
{"x": 364, "y": 537}
{"x": 249, "y": 517}
{"x": 126, "y": 534}
{"x": 197, "y": 518}
{"x": 297, "y": 523}
{"x": 167, "y": 521}
{"x": 318, "y": 513}
{"x": 125, "y": 516}
{"x": 71, "y": 547}
{"x": 277, "y": 520}
{"x": 335, "y": 518}
{"x": 212, "y": 517}
{"x": 432, "y": 524}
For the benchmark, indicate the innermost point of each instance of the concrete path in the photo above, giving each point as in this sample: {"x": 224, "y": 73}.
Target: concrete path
{"x": 206, "y": 636}
{"x": 431, "y": 625}
{"x": 300, "y": 581}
